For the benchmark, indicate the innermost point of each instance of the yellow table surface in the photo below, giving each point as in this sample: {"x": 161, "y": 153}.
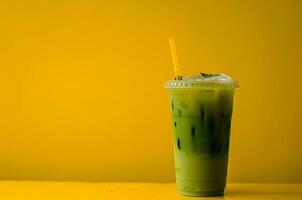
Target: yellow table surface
{"x": 76, "y": 190}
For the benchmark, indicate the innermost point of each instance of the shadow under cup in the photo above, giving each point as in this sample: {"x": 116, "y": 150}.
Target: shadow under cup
{"x": 201, "y": 123}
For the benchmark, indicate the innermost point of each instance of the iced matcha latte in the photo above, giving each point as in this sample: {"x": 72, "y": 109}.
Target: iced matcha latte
{"x": 201, "y": 107}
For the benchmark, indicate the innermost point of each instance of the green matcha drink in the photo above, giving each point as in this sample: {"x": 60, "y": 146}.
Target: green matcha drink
{"x": 201, "y": 107}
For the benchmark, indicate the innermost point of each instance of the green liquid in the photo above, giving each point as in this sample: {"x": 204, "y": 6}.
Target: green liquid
{"x": 201, "y": 130}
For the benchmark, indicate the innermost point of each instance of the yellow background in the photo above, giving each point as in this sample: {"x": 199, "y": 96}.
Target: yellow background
{"x": 82, "y": 94}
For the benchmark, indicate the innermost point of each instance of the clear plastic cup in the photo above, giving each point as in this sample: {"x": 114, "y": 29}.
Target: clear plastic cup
{"x": 201, "y": 123}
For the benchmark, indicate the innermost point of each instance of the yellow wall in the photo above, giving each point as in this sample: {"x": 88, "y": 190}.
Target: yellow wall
{"x": 82, "y": 94}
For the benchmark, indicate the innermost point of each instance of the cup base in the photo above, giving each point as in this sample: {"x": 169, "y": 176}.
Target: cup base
{"x": 204, "y": 188}
{"x": 202, "y": 193}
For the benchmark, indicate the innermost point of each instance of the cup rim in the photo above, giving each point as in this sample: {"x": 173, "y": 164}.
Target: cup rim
{"x": 188, "y": 84}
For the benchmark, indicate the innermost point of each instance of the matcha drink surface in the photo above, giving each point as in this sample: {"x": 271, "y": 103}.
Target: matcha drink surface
{"x": 201, "y": 107}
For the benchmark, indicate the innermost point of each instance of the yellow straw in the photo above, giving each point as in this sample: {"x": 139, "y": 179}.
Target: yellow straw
{"x": 174, "y": 58}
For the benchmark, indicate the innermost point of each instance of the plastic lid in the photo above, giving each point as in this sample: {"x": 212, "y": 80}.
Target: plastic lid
{"x": 202, "y": 80}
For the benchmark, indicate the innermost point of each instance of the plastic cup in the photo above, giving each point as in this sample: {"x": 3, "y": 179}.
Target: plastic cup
{"x": 201, "y": 123}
